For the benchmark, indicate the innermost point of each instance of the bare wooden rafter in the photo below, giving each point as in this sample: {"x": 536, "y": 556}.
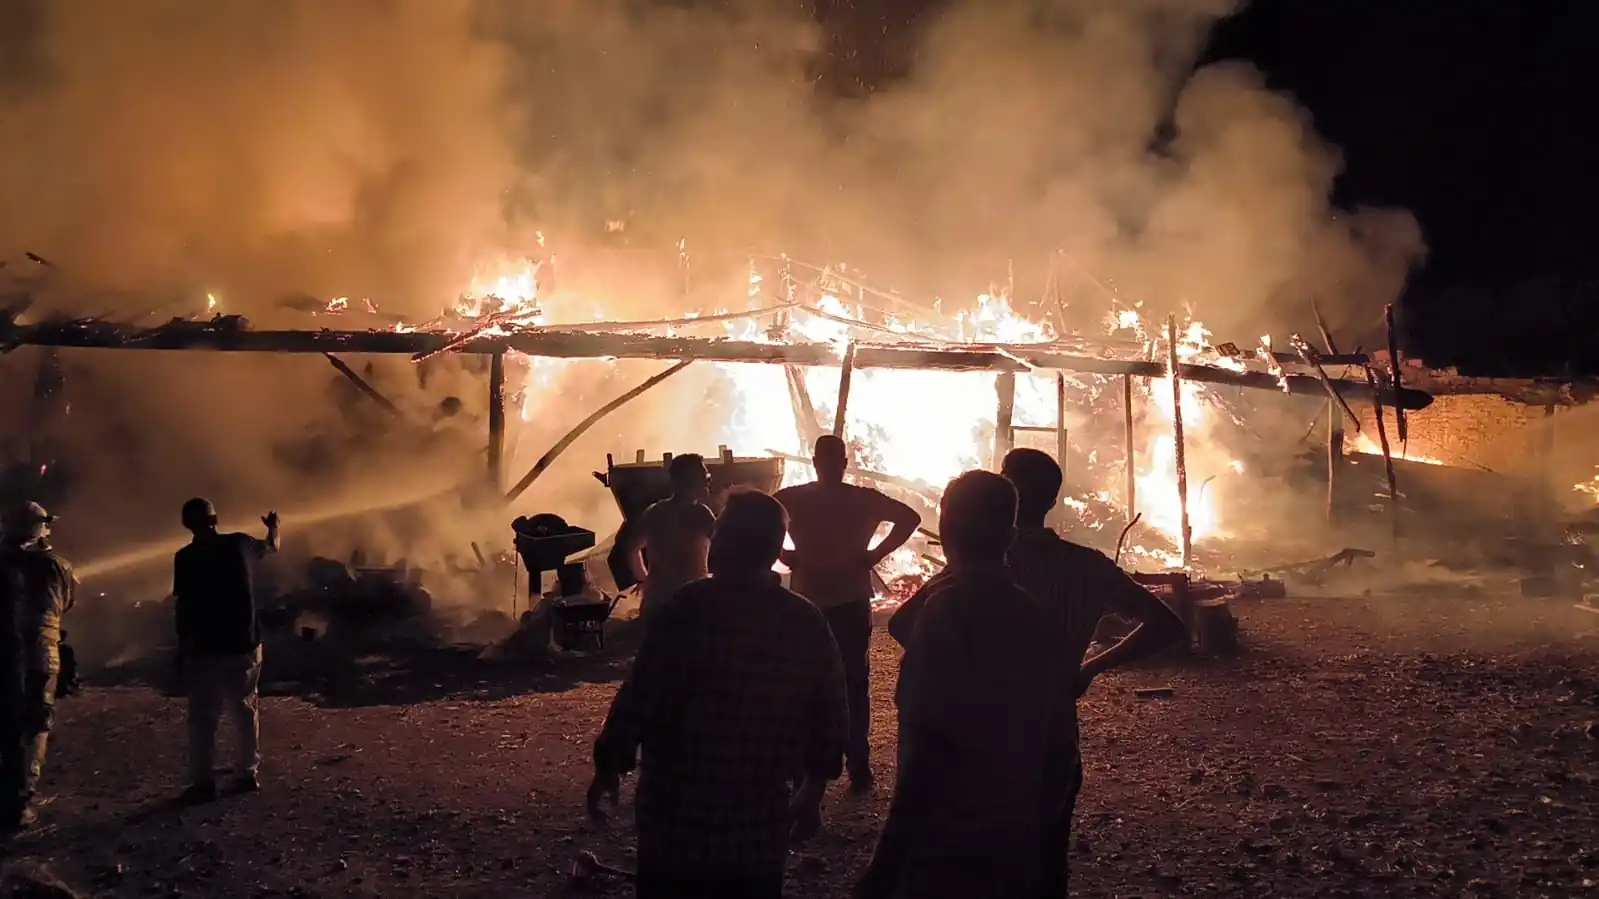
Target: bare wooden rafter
{"x": 557, "y": 343}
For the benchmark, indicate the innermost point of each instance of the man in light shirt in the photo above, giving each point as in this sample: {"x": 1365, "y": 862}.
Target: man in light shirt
{"x": 832, "y": 525}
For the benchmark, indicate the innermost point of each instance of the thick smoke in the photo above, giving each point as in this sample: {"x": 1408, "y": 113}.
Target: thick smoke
{"x": 387, "y": 148}
{"x": 323, "y": 147}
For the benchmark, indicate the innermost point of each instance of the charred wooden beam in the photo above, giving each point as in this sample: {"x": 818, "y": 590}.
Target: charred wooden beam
{"x": 1061, "y": 444}
{"x": 1313, "y": 361}
{"x": 362, "y": 385}
{"x": 497, "y": 420}
{"x": 559, "y": 344}
{"x": 1132, "y": 449}
{"x": 1004, "y": 417}
{"x": 846, "y": 370}
{"x": 1187, "y": 532}
{"x": 549, "y": 457}
{"x": 1335, "y": 459}
{"x": 1387, "y": 454}
{"x": 1326, "y": 335}
{"x": 799, "y": 395}
{"x": 1397, "y": 400}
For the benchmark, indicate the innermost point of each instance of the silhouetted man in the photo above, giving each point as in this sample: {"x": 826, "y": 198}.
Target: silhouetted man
{"x": 1078, "y": 586}
{"x": 984, "y": 720}
{"x": 219, "y": 642}
{"x": 737, "y": 687}
{"x": 832, "y": 525}
{"x": 676, "y": 532}
{"x": 36, "y": 590}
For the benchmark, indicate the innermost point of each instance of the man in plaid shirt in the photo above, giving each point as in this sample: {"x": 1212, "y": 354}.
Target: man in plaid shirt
{"x": 739, "y": 688}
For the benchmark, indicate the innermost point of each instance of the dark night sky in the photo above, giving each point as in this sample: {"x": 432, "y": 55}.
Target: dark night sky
{"x": 1471, "y": 116}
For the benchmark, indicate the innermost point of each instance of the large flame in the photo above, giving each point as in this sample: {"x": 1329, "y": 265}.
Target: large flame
{"x": 923, "y": 427}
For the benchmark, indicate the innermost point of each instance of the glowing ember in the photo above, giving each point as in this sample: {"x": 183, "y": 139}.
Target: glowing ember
{"x": 1363, "y": 443}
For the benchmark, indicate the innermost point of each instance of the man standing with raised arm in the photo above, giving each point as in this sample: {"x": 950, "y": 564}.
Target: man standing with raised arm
{"x": 219, "y": 642}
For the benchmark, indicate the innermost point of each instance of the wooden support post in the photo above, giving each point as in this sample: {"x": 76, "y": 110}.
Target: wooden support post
{"x": 1387, "y": 454}
{"x": 497, "y": 420}
{"x": 844, "y": 373}
{"x": 1005, "y": 417}
{"x": 1177, "y": 433}
{"x": 1335, "y": 458}
{"x": 1394, "y": 384}
{"x": 1061, "y": 445}
{"x": 1132, "y": 450}
{"x": 1546, "y": 453}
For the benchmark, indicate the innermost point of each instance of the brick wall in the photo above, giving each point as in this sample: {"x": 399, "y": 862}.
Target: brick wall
{"x": 1485, "y": 431}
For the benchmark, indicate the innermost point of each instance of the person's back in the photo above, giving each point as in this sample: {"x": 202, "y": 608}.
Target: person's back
{"x": 1077, "y": 585}
{"x": 981, "y": 690}
{"x": 213, "y": 584}
{"x": 748, "y": 655}
{"x": 832, "y": 526}
{"x": 736, "y": 690}
{"x": 984, "y": 704}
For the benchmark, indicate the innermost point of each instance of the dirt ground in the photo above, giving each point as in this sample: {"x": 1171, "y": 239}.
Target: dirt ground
{"x": 1359, "y": 747}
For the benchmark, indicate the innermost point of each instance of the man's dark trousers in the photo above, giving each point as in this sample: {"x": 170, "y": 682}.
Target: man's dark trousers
{"x": 653, "y": 884}
{"x": 852, "y": 631}
{"x": 1057, "y": 866}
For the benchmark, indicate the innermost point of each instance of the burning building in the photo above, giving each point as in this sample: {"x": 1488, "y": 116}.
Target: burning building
{"x": 1147, "y": 417}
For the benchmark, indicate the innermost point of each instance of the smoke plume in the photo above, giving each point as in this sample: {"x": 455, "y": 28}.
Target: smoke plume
{"x": 387, "y": 148}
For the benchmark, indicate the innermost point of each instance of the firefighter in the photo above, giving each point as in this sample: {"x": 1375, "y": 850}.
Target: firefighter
{"x": 36, "y": 590}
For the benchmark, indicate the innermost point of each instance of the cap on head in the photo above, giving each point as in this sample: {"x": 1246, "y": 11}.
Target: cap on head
{"x": 977, "y": 516}
{"x": 199, "y": 514}
{"x": 1037, "y": 478}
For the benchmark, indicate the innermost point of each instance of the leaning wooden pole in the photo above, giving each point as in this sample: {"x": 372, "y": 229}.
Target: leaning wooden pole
{"x": 546, "y": 460}
{"x": 1004, "y": 417}
{"x": 497, "y": 420}
{"x": 845, "y": 372}
{"x": 1132, "y": 453}
{"x": 1177, "y": 433}
{"x": 1387, "y": 453}
{"x": 363, "y": 385}
{"x": 1061, "y": 446}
